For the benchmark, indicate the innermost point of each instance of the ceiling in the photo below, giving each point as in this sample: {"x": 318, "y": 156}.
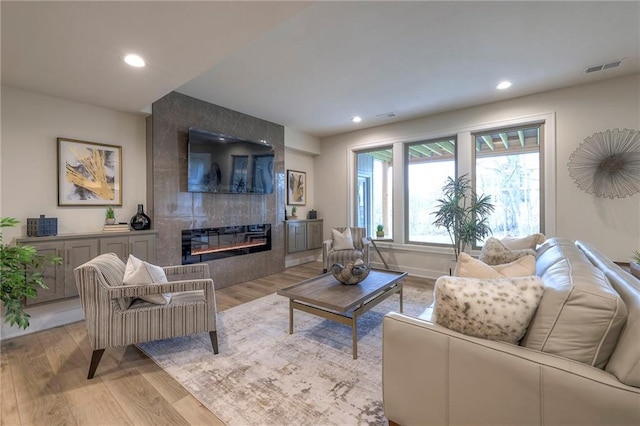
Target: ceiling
{"x": 313, "y": 65}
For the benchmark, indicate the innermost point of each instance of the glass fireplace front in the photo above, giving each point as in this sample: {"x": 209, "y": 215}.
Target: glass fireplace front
{"x": 200, "y": 245}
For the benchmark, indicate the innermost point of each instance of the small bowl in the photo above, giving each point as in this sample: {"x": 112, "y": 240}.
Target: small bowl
{"x": 350, "y": 274}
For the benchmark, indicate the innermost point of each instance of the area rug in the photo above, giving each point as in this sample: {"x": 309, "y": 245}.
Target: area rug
{"x": 265, "y": 376}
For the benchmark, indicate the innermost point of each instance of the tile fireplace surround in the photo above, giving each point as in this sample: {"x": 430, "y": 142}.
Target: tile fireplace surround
{"x": 173, "y": 209}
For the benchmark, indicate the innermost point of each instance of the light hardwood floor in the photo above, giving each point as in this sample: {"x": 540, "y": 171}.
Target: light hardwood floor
{"x": 43, "y": 375}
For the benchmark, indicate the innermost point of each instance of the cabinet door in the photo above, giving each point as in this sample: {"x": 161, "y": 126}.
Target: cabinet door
{"x": 296, "y": 237}
{"x": 76, "y": 252}
{"x": 117, "y": 245}
{"x": 53, "y": 274}
{"x": 314, "y": 235}
{"x": 143, "y": 247}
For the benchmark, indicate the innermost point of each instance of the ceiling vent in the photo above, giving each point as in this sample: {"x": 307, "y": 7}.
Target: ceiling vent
{"x": 601, "y": 67}
{"x": 386, "y": 115}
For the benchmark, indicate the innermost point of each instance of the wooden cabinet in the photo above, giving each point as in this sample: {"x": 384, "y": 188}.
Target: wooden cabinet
{"x": 304, "y": 235}
{"x": 77, "y": 249}
{"x": 142, "y": 246}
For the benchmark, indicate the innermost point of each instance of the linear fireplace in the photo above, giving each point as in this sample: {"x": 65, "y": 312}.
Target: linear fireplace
{"x": 200, "y": 245}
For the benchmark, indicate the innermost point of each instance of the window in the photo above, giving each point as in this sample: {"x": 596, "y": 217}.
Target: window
{"x": 429, "y": 164}
{"x": 507, "y": 167}
{"x": 374, "y": 191}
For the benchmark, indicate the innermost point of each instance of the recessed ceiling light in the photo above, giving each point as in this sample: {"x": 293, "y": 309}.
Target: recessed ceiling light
{"x": 356, "y": 119}
{"x": 503, "y": 85}
{"x": 134, "y": 60}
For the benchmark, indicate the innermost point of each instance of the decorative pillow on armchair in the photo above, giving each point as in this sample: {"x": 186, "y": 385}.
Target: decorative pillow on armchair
{"x": 494, "y": 309}
{"x": 342, "y": 240}
{"x": 140, "y": 272}
{"x": 469, "y": 267}
{"x": 519, "y": 243}
{"x": 495, "y": 253}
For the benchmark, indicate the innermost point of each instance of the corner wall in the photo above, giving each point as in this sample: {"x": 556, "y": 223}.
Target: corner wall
{"x": 175, "y": 209}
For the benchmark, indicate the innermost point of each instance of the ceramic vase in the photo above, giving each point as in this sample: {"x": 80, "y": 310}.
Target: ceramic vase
{"x": 140, "y": 220}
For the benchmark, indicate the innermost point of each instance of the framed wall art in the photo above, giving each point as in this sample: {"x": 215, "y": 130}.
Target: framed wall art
{"x": 296, "y": 188}
{"x": 89, "y": 173}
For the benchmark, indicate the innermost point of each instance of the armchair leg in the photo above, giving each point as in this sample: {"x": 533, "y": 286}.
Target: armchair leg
{"x": 95, "y": 360}
{"x": 213, "y": 335}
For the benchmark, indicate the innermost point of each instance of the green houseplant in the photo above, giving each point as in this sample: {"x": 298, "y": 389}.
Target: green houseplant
{"x": 463, "y": 213}
{"x": 380, "y": 231}
{"x": 20, "y": 276}
{"x": 110, "y": 216}
{"x": 634, "y": 265}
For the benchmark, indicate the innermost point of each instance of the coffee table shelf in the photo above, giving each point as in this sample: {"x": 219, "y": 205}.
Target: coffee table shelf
{"x": 326, "y": 297}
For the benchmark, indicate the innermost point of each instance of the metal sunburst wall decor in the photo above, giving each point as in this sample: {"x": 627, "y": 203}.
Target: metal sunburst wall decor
{"x": 607, "y": 164}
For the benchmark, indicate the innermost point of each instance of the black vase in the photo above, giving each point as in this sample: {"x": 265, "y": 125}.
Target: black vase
{"x": 140, "y": 220}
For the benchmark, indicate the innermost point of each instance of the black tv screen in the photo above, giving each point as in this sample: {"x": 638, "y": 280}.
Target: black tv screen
{"x": 226, "y": 164}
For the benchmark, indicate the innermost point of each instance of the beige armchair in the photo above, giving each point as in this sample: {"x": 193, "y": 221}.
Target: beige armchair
{"x": 360, "y": 251}
{"x": 114, "y": 317}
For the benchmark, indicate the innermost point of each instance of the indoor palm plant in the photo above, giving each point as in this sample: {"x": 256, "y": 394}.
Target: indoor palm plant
{"x": 463, "y": 213}
{"x": 20, "y": 276}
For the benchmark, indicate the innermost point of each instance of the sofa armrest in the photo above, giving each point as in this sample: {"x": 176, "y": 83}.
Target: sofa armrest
{"x": 432, "y": 375}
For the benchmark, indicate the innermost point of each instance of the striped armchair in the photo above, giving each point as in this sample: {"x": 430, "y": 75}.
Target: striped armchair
{"x": 360, "y": 251}
{"x": 114, "y": 317}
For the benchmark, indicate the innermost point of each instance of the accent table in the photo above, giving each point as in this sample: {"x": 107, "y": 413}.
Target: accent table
{"x": 326, "y": 297}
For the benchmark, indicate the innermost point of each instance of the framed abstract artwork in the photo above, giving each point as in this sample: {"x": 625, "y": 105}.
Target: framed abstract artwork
{"x": 89, "y": 173}
{"x": 296, "y": 188}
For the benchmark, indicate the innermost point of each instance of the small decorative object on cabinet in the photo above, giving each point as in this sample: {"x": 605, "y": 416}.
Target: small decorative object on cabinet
{"x": 380, "y": 231}
{"x": 42, "y": 227}
{"x": 110, "y": 216}
{"x": 140, "y": 220}
{"x": 352, "y": 273}
{"x": 293, "y": 213}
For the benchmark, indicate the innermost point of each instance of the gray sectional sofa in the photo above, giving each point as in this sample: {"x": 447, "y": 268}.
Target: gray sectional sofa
{"x": 578, "y": 363}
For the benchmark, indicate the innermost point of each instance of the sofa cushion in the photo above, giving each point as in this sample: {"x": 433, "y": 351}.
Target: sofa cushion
{"x": 495, "y": 253}
{"x": 625, "y": 359}
{"x": 520, "y": 243}
{"x": 111, "y": 269}
{"x": 469, "y": 267}
{"x": 580, "y": 315}
{"x": 495, "y": 309}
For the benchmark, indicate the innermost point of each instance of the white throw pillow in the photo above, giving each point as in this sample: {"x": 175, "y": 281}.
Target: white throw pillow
{"x": 495, "y": 309}
{"x": 519, "y": 243}
{"x": 138, "y": 272}
{"x": 342, "y": 240}
{"x": 469, "y": 267}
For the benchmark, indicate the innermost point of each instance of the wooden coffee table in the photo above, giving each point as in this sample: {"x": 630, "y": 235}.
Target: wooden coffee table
{"x": 328, "y": 298}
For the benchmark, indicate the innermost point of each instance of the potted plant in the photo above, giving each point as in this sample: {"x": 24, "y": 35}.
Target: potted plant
{"x": 634, "y": 265}
{"x": 463, "y": 213}
{"x": 20, "y": 276}
{"x": 293, "y": 212}
{"x": 110, "y": 216}
{"x": 380, "y": 231}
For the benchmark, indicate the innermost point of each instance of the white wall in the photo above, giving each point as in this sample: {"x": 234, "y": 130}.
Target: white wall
{"x": 31, "y": 123}
{"x": 611, "y": 225}
{"x": 28, "y": 168}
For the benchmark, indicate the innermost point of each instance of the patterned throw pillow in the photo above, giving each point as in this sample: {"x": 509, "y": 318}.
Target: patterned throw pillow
{"x": 140, "y": 272}
{"x": 469, "y": 267}
{"x": 528, "y": 242}
{"x": 342, "y": 240}
{"x": 495, "y": 253}
{"x": 494, "y": 309}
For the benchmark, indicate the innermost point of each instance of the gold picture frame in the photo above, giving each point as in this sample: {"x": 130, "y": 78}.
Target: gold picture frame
{"x": 296, "y": 188}
{"x": 89, "y": 173}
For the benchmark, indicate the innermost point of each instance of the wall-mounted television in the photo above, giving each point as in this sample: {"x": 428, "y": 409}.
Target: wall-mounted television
{"x": 226, "y": 164}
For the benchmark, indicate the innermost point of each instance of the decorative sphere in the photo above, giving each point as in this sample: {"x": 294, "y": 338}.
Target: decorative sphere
{"x": 351, "y": 273}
